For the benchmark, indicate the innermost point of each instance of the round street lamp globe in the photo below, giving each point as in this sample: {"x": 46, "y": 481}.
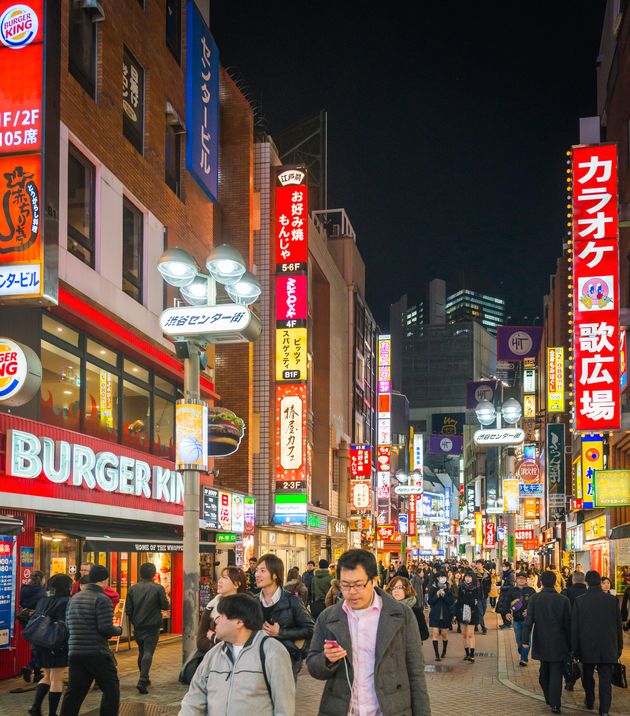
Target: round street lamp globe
{"x": 196, "y": 294}
{"x": 486, "y": 414}
{"x": 511, "y": 411}
{"x": 178, "y": 267}
{"x": 225, "y": 264}
{"x": 246, "y": 291}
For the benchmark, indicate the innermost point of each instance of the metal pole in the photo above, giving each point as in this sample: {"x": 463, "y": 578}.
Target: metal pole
{"x": 191, "y": 521}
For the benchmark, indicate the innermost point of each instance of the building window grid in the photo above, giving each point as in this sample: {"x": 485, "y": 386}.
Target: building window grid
{"x": 82, "y": 48}
{"x": 82, "y": 215}
{"x": 133, "y": 250}
{"x": 86, "y": 356}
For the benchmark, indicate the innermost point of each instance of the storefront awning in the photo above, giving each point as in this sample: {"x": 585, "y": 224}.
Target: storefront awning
{"x": 133, "y": 544}
{"x": 621, "y": 532}
{"x": 10, "y": 525}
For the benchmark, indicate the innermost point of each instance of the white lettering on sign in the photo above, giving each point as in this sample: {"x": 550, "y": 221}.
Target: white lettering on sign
{"x": 79, "y": 466}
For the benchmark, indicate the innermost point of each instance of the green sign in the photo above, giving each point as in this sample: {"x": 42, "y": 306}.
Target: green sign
{"x": 226, "y": 537}
{"x": 314, "y": 520}
{"x": 511, "y": 544}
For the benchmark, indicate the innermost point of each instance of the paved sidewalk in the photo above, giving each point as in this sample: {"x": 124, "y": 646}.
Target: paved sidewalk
{"x": 493, "y": 684}
{"x": 525, "y": 679}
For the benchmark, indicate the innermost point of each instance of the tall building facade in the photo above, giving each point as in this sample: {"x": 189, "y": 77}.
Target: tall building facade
{"x": 130, "y": 166}
{"x": 466, "y": 305}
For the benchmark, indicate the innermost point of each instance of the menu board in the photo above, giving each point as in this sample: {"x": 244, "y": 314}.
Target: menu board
{"x": 211, "y": 508}
{"x": 7, "y": 590}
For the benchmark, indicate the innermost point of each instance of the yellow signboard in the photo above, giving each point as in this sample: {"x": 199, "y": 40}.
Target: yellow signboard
{"x": 291, "y": 354}
{"x": 478, "y": 528}
{"x": 595, "y": 528}
{"x": 529, "y": 406}
{"x": 611, "y": 488}
{"x": 555, "y": 380}
{"x": 510, "y": 495}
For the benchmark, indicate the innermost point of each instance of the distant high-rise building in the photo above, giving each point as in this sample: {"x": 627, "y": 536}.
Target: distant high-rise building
{"x": 467, "y": 305}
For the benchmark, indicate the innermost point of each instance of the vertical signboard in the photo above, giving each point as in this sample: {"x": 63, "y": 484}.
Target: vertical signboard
{"x": 596, "y": 287}
{"x": 556, "y": 490}
{"x": 555, "y": 380}
{"x": 384, "y": 386}
{"x": 360, "y": 461}
{"x": 291, "y": 373}
{"x": 22, "y": 250}
{"x": 7, "y": 590}
{"x": 202, "y": 103}
{"x": 511, "y": 495}
{"x": 592, "y": 459}
{"x": 133, "y": 100}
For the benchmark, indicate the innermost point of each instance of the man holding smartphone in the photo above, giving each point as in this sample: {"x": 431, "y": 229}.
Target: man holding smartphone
{"x": 345, "y": 653}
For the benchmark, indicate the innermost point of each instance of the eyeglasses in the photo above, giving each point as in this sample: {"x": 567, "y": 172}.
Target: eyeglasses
{"x": 397, "y": 587}
{"x": 356, "y": 587}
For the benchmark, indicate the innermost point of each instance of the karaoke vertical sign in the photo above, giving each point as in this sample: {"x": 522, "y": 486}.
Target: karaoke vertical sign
{"x": 595, "y": 293}
{"x": 384, "y": 429}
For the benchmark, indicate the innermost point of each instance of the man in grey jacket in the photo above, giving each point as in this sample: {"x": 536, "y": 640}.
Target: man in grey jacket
{"x": 247, "y": 673}
{"x": 145, "y": 603}
{"x": 90, "y": 624}
{"x": 385, "y": 675}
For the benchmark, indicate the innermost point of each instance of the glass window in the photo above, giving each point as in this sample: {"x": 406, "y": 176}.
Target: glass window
{"x": 172, "y": 159}
{"x": 136, "y": 370}
{"x": 173, "y": 26}
{"x": 164, "y": 385}
{"x": 82, "y": 47}
{"x": 132, "y": 250}
{"x": 136, "y": 414}
{"x": 81, "y": 175}
{"x": 60, "y": 401}
{"x": 102, "y": 353}
{"x": 163, "y": 427}
{"x": 60, "y": 330}
{"x": 101, "y": 402}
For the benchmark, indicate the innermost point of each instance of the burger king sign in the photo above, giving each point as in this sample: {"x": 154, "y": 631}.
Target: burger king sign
{"x": 20, "y": 373}
{"x": 18, "y": 26}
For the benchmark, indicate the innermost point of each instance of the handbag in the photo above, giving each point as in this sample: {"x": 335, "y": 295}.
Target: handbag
{"x": 466, "y": 614}
{"x": 189, "y": 668}
{"x": 619, "y": 676}
{"x": 46, "y": 633}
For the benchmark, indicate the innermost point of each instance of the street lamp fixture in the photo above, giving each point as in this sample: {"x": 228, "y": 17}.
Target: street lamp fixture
{"x": 511, "y": 411}
{"x": 225, "y": 264}
{"x": 196, "y": 293}
{"x": 178, "y": 267}
{"x": 486, "y": 413}
{"x": 246, "y": 291}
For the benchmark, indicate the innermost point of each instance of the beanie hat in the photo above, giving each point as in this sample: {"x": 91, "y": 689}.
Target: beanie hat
{"x": 98, "y": 573}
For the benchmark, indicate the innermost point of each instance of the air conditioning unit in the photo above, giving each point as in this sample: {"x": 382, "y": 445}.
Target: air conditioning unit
{"x": 97, "y": 14}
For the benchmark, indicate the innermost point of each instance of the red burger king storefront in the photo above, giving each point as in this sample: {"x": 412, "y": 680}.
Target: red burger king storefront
{"x": 82, "y": 499}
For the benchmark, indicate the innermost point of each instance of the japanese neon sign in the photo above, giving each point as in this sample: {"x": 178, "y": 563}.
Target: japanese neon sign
{"x": 360, "y": 461}
{"x": 555, "y": 380}
{"x": 592, "y": 459}
{"x": 290, "y": 437}
{"x": 292, "y": 223}
{"x": 596, "y": 287}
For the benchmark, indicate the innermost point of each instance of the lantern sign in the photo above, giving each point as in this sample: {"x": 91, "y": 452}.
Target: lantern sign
{"x": 595, "y": 296}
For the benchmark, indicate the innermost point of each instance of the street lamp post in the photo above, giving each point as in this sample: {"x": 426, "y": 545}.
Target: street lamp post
{"x": 178, "y": 268}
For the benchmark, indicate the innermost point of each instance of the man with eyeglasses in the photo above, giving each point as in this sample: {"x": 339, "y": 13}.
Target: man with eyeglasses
{"x": 366, "y": 677}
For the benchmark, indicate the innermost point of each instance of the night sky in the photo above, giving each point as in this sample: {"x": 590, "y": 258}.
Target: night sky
{"x": 448, "y": 125}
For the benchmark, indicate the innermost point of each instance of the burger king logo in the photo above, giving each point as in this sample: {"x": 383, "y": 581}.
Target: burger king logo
{"x": 13, "y": 368}
{"x": 18, "y": 26}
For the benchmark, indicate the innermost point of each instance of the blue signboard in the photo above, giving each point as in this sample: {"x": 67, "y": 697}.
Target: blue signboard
{"x": 526, "y": 490}
{"x": 7, "y": 590}
{"x": 202, "y": 103}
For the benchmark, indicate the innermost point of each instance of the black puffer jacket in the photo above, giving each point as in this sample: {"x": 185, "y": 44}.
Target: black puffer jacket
{"x": 89, "y": 618}
{"x": 30, "y": 594}
{"x": 296, "y": 624}
{"x": 55, "y": 608}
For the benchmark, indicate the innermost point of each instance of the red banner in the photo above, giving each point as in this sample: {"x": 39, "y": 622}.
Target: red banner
{"x": 291, "y": 297}
{"x": 596, "y": 288}
{"x": 360, "y": 461}
{"x": 291, "y": 224}
{"x": 523, "y": 535}
{"x": 491, "y": 535}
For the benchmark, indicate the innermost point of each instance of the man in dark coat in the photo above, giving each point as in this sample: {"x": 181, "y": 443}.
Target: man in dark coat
{"x": 507, "y": 584}
{"x": 577, "y": 588}
{"x": 596, "y": 639}
{"x": 549, "y": 614}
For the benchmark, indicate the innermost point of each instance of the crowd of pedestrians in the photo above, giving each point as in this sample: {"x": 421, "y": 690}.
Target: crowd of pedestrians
{"x": 356, "y": 625}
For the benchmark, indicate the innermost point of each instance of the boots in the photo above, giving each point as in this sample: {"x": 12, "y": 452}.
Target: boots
{"x": 40, "y": 693}
{"x": 435, "y": 649}
{"x": 471, "y": 658}
{"x": 467, "y": 650}
{"x": 54, "y": 697}
{"x": 444, "y": 647}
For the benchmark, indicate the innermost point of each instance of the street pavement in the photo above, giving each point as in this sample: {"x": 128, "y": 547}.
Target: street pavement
{"x": 494, "y": 684}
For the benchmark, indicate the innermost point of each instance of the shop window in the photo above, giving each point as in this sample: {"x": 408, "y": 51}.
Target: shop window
{"x": 102, "y": 353}
{"x": 101, "y": 402}
{"x": 82, "y": 47}
{"x": 60, "y": 330}
{"x": 81, "y": 178}
{"x": 164, "y": 385}
{"x": 135, "y": 370}
{"x": 172, "y": 158}
{"x": 136, "y": 416}
{"x": 133, "y": 240}
{"x": 163, "y": 427}
{"x": 57, "y": 553}
{"x": 60, "y": 402}
{"x": 174, "y": 27}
